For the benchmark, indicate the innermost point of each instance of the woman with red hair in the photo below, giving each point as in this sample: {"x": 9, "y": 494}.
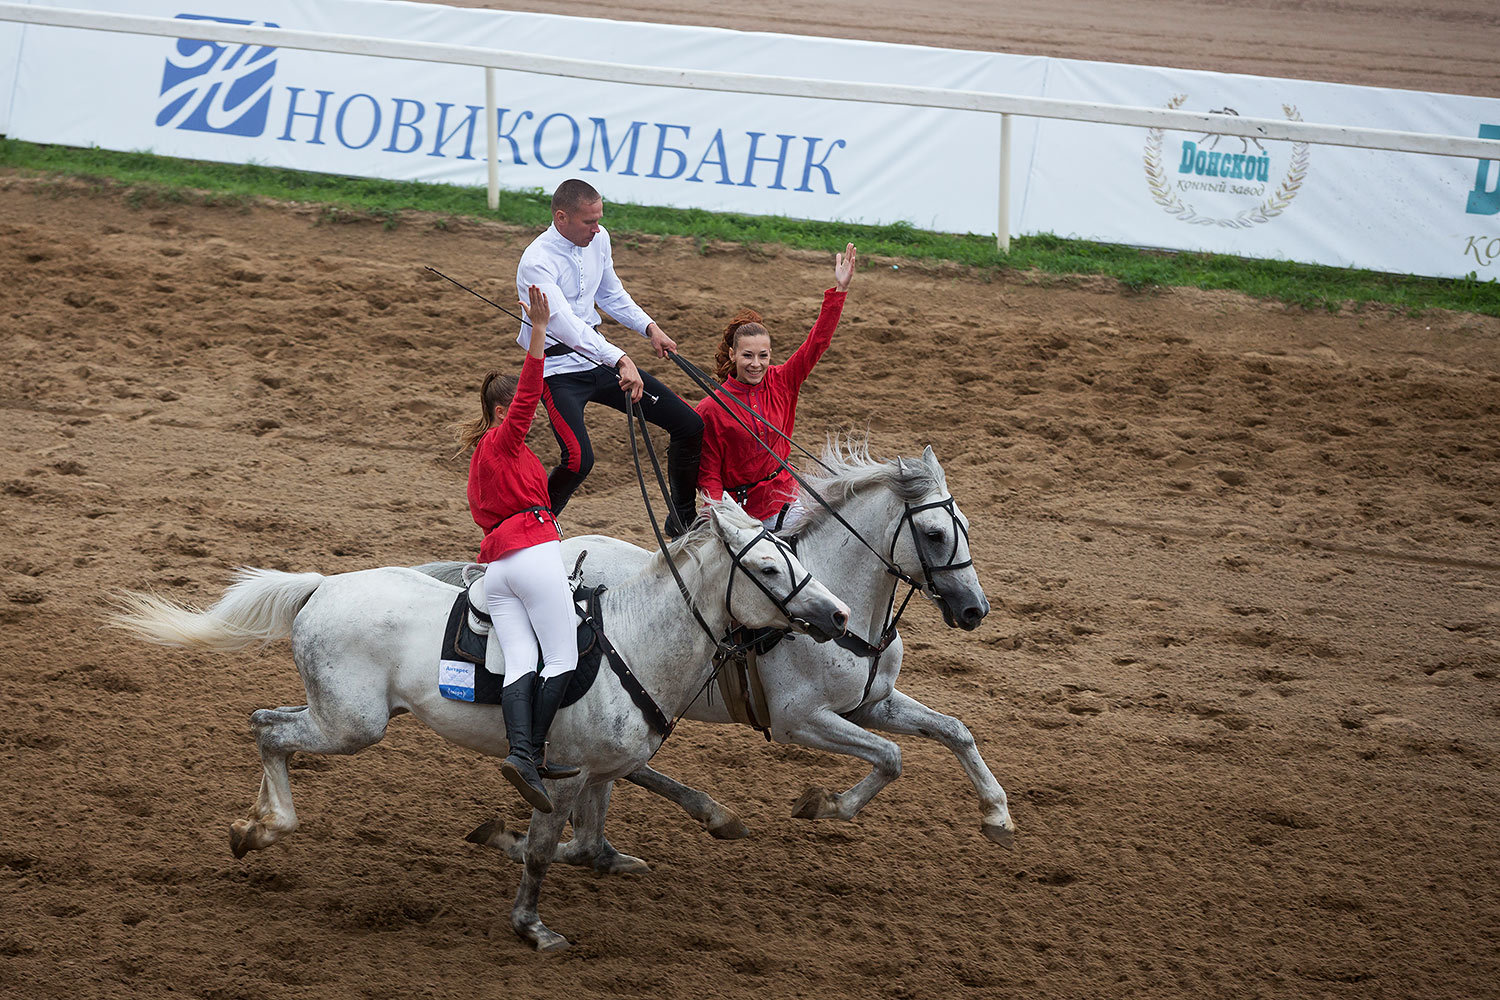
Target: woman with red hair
{"x": 734, "y": 461}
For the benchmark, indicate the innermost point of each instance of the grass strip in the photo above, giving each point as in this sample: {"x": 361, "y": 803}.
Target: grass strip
{"x": 151, "y": 178}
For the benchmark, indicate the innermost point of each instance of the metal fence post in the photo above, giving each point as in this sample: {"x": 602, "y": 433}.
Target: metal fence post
{"x": 491, "y": 140}
{"x": 1002, "y": 230}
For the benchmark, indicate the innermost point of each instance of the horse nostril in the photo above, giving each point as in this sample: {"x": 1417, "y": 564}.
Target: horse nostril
{"x": 841, "y": 620}
{"x": 973, "y": 614}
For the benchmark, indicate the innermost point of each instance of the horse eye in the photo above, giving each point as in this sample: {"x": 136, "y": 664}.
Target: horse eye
{"x": 769, "y": 571}
{"x": 936, "y": 534}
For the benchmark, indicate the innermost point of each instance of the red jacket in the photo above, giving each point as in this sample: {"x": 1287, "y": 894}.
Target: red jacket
{"x": 506, "y": 478}
{"x": 732, "y": 460}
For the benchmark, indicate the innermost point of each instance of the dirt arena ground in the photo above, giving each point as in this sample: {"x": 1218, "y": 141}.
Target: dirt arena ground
{"x": 1242, "y": 679}
{"x": 1436, "y": 45}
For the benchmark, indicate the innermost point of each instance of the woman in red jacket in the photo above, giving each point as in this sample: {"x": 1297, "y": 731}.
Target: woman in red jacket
{"x": 525, "y": 584}
{"x": 735, "y": 463}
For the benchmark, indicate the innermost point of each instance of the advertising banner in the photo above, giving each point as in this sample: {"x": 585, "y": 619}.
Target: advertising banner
{"x": 1336, "y": 205}
{"x": 10, "y": 62}
{"x": 802, "y": 158}
{"x": 410, "y": 120}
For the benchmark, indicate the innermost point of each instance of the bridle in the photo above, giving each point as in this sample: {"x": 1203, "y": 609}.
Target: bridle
{"x": 928, "y": 584}
{"x": 928, "y": 569}
{"x": 788, "y": 555}
{"x": 733, "y": 642}
{"x": 849, "y": 641}
{"x": 725, "y": 647}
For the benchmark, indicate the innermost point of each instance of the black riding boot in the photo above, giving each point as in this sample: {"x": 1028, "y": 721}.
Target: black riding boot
{"x": 519, "y": 767}
{"x": 549, "y": 695}
{"x": 683, "y": 454}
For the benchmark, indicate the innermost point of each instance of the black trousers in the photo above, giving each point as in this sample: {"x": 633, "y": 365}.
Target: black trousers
{"x": 565, "y": 397}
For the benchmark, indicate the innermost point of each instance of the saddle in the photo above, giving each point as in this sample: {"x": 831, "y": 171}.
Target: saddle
{"x": 462, "y": 672}
{"x": 463, "y": 675}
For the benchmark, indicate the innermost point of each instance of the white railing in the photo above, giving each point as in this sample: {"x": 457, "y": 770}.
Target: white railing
{"x": 747, "y": 83}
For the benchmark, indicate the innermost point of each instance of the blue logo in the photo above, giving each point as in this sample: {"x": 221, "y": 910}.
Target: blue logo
{"x": 217, "y": 87}
{"x": 229, "y": 89}
{"x": 1484, "y": 199}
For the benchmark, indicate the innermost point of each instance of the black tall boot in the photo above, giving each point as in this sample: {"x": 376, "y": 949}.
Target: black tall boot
{"x": 549, "y": 695}
{"x": 683, "y": 455}
{"x": 519, "y": 767}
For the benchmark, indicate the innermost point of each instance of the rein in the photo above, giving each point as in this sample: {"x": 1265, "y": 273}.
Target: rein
{"x": 725, "y": 648}
{"x": 849, "y": 641}
{"x": 557, "y": 348}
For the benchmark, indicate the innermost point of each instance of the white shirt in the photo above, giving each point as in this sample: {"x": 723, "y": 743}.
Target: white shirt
{"x": 574, "y": 278}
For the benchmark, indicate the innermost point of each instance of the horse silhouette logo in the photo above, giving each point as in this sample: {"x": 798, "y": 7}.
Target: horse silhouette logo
{"x": 1206, "y": 186}
{"x": 1215, "y": 137}
{"x": 215, "y": 86}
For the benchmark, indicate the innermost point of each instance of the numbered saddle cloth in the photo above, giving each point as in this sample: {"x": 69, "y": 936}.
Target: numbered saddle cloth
{"x": 462, "y": 673}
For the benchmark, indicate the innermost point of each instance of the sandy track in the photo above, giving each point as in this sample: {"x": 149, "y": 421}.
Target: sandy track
{"x": 1435, "y": 45}
{"x": 1240, "y": 682}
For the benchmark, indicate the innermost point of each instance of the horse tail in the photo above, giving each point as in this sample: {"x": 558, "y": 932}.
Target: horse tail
{"x": 258, "y": 608}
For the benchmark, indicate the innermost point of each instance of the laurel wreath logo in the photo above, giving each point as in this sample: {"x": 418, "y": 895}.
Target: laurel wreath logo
{"x": 1274, "y": 205}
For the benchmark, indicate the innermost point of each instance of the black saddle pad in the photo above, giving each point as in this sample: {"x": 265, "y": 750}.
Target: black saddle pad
{"x": 462, "y": 644}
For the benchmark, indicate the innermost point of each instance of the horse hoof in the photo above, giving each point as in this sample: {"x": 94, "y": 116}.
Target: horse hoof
{"x": 487, "y": 834}
{"x": 810, "y": 805}
{"x": 623, "y": 864}
{"x": 548, "y": 941}
{"x": 239, "y": 838}
{"x": 1005, "y": 836}
{"x": 730, "y": 829}
{"x": 540, "y": 937}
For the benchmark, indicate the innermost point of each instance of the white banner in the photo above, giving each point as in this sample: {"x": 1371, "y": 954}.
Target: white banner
{"x": 803, "y": 158}
{"x": 399, "y": 119}
{"x": 1398, "y": 212}
{"x": 10, "y": 63}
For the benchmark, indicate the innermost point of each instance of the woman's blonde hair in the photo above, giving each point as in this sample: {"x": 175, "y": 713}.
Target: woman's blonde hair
{"x": 494, "y": 396}
{"x": 746, "y": 323}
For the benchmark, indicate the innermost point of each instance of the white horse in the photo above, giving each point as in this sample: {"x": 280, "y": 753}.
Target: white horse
{"x": 824, "y": 696}
{"x": 367, "y": 647}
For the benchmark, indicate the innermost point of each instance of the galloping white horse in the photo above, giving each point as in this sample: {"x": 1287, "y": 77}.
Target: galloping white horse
{"x": 824, "y": 696}
{"x": 367, "y": 647}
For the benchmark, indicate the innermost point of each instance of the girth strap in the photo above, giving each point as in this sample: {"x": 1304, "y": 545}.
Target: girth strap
{"x": 655, "y": 717}
{"x": 739, "y": 678}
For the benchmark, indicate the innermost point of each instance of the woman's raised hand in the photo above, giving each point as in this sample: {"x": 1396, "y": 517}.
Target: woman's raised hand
{"x": 538, "y": 312}
{"x": 843, "y": 267}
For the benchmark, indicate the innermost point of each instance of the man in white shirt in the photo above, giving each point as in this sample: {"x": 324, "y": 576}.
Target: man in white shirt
{"x": 571, "y": 262}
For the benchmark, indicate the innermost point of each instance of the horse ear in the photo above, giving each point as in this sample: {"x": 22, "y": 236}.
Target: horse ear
{"x": 722, "y": 526}
{"x": 930, "y": 456}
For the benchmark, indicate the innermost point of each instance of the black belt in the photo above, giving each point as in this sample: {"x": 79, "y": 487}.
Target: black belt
{"x": 559, "y": 349}
{"x": 538, "y": 511}
{"x": 742, "y": 493}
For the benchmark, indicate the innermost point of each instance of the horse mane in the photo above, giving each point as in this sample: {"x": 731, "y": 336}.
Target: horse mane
{"x": 854, "y": 470}
{"x": 700, "y": 533}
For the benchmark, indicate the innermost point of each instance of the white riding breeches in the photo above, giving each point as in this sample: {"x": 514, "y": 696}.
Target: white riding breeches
{"x": 529, "y": 600}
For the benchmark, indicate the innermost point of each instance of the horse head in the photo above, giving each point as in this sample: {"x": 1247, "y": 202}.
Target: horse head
{"x": 781, "y": 592}
{"x": 936, "y": 541}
